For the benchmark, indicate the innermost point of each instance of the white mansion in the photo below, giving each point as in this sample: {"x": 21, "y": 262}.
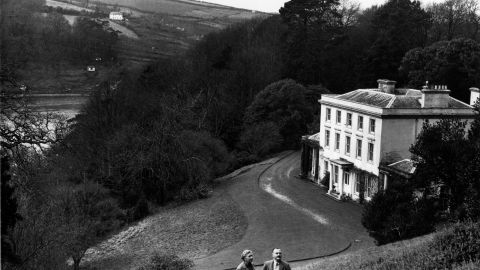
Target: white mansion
{"x": 365, "y": 135}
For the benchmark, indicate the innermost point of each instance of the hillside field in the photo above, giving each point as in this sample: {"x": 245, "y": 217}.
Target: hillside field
{"x": 152, "y": 30}
{"x": 167, "y": 28}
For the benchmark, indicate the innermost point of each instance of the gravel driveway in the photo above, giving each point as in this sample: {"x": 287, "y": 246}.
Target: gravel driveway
{"x": 292, "y": 214}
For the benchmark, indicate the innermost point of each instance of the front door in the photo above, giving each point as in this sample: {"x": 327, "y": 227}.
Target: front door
{"x": 335, "y": 178}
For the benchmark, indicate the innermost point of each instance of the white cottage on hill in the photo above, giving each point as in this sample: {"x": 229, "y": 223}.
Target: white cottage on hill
{"x": 365, "y": 135}
{"x": 116, "y": 16}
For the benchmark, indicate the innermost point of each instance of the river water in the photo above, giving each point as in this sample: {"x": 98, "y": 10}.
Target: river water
{"x": 65, "y": 104}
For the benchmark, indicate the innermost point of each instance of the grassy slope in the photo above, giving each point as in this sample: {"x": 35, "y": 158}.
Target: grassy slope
{"x": 192, "y": 230}
{"x": 168, "y": 28}
{"x": 415, "y": 253}
{"x": 352, "y": 260}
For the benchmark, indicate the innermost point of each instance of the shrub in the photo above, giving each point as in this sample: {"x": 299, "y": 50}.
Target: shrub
{"x": 167, "y": 262}
{"x": 260, "y": 139}
{"x": 345, "y": 198}
{"x": 199, "y": 191}
{"x": 141, "y": 209}
{"x": 243, "y": 158}
{"x": 395, "y": 214}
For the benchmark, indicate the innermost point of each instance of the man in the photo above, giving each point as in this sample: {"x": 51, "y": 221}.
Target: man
{"x": 247, "y": 259}
{"x": 276, "y": 263}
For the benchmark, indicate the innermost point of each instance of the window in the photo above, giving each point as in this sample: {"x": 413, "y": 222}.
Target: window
{"x": 327, "y": 138}
{"x": 370, "y": 151}
{"x": 329, "y": 115}
{"x": 339, "y": 117}
{"x": 357, "y": 185}
{"x": 347, "y": 145}
{"x": 359, "y": 148}
{"x": 349, "y": 119}
{"x": 372, "y": 126}
{"x": 335, "y": 174}
{"x": 346, "y": 177}
{"x": 337, "y": 141}
{"x": 360, "y": 122}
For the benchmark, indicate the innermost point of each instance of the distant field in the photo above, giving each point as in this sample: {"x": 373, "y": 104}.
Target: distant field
{"x": 184, "y": 8}
{"x": 63, "y": 5}
{"x": 157, "y": 29}
{"x": 167, "y": 28}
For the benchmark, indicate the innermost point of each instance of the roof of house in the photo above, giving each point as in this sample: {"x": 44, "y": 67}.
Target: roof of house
{"x": 368, "y": 97}
{"x": 116, "y": 13}
{"x": 312, "y": 140}
{"x": 405, "y": 166}
{"x": 403, "y": 98}
{"x": 342, "y": 162}
{"x": 314, "y": 137}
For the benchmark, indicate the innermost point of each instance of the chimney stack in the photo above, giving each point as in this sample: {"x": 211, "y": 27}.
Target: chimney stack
{"x": 474, "y": 95}
{"x": 386, "y": 86}
{"x": 436, "y": 97}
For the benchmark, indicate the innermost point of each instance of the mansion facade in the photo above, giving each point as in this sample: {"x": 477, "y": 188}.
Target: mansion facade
{"x": 365, "y": 135}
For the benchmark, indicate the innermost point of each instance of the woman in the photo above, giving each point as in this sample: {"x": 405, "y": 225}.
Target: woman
{"x": 247, "y": 259}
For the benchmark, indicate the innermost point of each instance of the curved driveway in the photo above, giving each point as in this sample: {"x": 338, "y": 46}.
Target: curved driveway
{"x": 286, "y": 212}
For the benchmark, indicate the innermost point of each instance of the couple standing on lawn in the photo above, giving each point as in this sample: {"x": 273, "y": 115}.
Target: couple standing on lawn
{"x": 275, "y": 264}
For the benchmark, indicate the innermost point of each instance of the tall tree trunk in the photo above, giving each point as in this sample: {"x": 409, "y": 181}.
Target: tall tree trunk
{"x": 76, "y": 263}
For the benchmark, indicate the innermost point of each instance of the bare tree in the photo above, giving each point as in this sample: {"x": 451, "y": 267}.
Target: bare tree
{"x": 349, "y": 10}
{"x": 19, "y": 123}
{"x": 455, "y": 18}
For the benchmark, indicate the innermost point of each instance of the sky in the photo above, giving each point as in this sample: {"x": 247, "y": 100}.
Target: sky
{"x": 274, "y": 5}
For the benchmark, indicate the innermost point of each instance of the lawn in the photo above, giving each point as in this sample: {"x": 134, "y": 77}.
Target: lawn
{"x": 193, "y": 230}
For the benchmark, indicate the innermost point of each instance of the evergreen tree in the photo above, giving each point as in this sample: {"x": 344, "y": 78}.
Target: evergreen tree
{"x": 399, "y": 25}
{"x": 284, "y": 104}
{"x": 312, "y": 27}
{"x": 455, "y": 63}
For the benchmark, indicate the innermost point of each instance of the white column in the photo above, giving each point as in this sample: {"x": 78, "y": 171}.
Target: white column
{"x": 385, "y": 178}
{"x": 330, "y": 184}
{"x": 314, "y": 160}
{"x": 340, "y": 180}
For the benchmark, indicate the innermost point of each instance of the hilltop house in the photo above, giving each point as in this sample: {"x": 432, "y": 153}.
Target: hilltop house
{"x": 116, "y": 16}
{"x": 365, "y": 135}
